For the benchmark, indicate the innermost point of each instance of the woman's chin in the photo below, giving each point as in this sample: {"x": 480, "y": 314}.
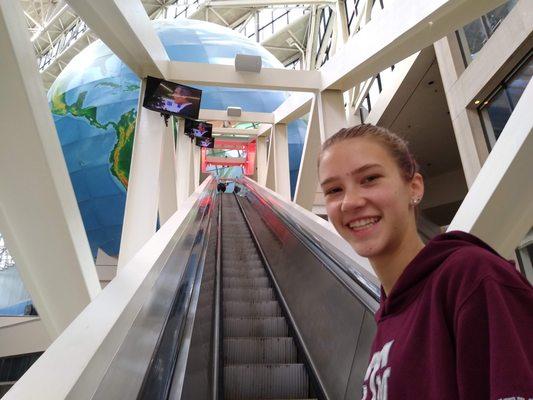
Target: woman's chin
{"x": 367, "y": 248}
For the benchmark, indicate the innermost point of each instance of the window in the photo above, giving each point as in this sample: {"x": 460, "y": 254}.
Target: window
{"x": 525, "y": 256}
{"x": 497, "y": 109}
{"x": 472, "y": 37}
{"x": 14, "y": 299}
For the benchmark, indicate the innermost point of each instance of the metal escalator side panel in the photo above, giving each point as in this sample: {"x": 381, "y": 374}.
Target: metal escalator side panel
{"x": 131, "y": 364}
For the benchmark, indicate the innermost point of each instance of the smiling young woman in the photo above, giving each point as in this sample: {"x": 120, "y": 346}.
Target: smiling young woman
{"x": 456, "y": 319}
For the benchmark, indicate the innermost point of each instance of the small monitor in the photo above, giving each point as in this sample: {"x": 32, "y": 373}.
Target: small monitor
{"x": 172, "y": 98}
{"x": 208, "y": 142}
{"x": 199, "y": 129}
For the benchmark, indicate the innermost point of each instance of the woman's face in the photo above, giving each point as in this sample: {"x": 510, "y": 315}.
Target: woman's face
{"x": 367, "y": 199}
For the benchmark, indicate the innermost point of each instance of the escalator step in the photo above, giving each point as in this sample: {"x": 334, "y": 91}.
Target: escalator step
{"x": 267, "y": 381}
{"x": 249, "y": 294}
{"x": 246, "y": 283}
{"x": 234, "y": 263}
{"x": 247, "y": 309}
{"x": 230, "y": 259}
{"x": 244, "y": 272}
{"x": 253, "y": 327}
{"x": 259, "y": 350}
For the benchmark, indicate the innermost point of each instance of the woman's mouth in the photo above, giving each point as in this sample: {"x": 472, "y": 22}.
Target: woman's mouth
{"x": 363, "y": 223}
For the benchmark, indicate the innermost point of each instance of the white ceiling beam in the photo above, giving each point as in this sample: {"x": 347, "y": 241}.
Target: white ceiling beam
{"x": 225, "y": 75}
{"x": 388, "y": 39}
{"x": 246, "y": 116}
{"x": 125, "y": 28}
{"x": 265, "y": 3}
{"x": 264, "y": 129}
{"x": 236, "y": 131}
{"x": 220, "y": 17}
{"x": 296, "y": 106}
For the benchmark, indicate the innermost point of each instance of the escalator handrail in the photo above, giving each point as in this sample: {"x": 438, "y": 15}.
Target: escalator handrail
{"x": 160, "y": 373}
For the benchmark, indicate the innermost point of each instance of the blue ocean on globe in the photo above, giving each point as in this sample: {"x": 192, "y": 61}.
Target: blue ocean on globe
{"x": 94, "y": 104}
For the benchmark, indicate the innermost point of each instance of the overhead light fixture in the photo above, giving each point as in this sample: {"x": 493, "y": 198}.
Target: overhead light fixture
{"x": 247, "y": 63}
{"x": 234, "y": 111}
{"x": 477, "y": 102}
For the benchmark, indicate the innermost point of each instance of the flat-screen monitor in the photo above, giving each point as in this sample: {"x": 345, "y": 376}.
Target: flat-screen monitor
{"x": 199, "y": 129}
{"x": 172, "y": 98}
{"x": 208, "y": 142}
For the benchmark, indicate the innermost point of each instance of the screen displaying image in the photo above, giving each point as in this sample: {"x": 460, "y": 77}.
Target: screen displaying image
{"x": 172, "y": 98}
{"x": 208, "y": 142}
{"x": 199, "y": 129}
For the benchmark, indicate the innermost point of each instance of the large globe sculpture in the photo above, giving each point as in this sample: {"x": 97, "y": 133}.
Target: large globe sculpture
{"x": 94, "y": 106}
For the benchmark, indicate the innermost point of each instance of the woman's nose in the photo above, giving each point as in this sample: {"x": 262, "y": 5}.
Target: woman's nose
{"x": 352, "y": 200}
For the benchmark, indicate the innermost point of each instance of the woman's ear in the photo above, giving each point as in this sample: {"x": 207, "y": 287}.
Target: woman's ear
{"x": 417, "y": 186}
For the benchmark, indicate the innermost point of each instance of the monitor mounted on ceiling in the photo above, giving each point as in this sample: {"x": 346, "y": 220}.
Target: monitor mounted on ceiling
{"x": 172, "y": 98}
{"x": 207, "y": 142}
{"x": 199, "y": 129}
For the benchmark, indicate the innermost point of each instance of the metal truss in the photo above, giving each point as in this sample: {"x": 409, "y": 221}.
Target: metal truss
{"x": 298, "y": 33}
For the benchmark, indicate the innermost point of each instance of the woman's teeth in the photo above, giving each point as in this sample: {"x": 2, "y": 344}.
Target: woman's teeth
{"x": 363, "y": 223}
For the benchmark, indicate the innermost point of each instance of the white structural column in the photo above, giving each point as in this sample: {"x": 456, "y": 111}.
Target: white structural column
{"x": 326, "y": 118}
{"x": 281, "y": 161}
{"x": 168, "y": 202}
{"x": 342, "y": 23}
{"x": 39, "y": 216}
{"x": 307, "y": 176}
{"x": 261, "y": 160}
{"x": 184, "y": 164}
{"x": 197, "y": 164}
{"x": 465, "y": 121}
{"x": 140, "y": 215}
{"x": 270, "y": 180}
{"x": 499, "y": 205}
{"x": 331, "y": 114}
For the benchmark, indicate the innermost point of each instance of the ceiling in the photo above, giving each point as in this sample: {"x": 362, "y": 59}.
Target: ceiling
{"x": 58, "y": 34}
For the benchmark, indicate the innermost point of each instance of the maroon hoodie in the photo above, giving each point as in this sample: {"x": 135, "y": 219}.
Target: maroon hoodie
{"x": 458, "y": 324}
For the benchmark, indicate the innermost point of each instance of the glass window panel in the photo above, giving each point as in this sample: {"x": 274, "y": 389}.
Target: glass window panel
{"x": 499, "y": 111}
{"x": 496, "y": 16}
{"x": 374, "y": 91}
{"x": 279, "y": 24}
{"x": 386, "y": 77}
{"x": 376, "y": 10}
{"x": 476, "y": 36}
{"x": 359, "y": 6}
{"x": 350, "y": 8}
{"x": 517, "y": 84}
{"x": 277, "y": 12}
{"x": 265, "y": 17}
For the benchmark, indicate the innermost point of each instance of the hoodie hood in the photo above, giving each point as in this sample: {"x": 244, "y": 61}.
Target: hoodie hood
{"x": 431, "y": 257}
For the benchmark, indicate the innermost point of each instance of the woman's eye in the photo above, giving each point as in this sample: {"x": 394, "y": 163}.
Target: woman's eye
{"x": 331, "y": 191}
{"x": 370, "y": 178}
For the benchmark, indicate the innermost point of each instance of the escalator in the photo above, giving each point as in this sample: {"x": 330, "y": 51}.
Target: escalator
{"x": 245, "y": 301}
{"x": 260, "y": 358}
